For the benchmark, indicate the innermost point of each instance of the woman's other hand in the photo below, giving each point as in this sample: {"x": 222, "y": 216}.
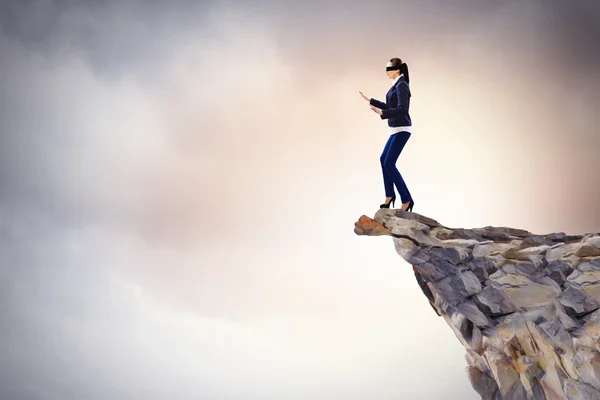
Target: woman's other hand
{"x": 364, "y": 97}
{"x": 376, "y": 110}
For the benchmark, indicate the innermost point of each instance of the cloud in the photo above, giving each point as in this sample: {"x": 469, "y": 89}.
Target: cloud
{"x": 178, "y": 187}
{"x": 98, "y": 172}
{"x": 142, "y": 156}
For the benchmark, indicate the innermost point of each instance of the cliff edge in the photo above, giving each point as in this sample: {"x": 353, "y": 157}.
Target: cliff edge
{"x": 525, "y": 306}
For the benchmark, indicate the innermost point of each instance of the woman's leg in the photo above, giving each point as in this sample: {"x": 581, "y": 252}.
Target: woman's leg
{"x": 388, "y": 183}
{"x": 396, "y": 144}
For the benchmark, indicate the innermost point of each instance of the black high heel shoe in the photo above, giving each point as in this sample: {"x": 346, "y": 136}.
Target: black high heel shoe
{"x": 387, "y": 205}
{"x": 410, "y": 206}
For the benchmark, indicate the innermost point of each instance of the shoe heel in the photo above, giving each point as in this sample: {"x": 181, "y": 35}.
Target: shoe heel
{"x": 387, "y": 205}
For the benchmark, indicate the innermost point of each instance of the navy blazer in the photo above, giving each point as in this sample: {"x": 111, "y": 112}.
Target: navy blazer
{"x": 397, "y": 102}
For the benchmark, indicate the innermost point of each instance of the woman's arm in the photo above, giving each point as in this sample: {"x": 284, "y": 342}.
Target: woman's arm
{"x": 402, "y": 92}
{"x": 378, "y": 104}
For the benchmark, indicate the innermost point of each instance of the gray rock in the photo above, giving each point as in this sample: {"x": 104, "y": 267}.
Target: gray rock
{"x": 558, "y": 270}
{"x": 592, "y": 264}
{"x": 456, "y": 287}
{"x": 449, "y": 254}
{"x": 524, "y": 292}
{"x": 482, "y": 268}
{"x": 590, "y": 248}
{"x": 482, "y": 249}
{"x": 580, "y": 391}
{"x": 492, "y": 301}
{"x": 525, "y": 268}
{"x": 435, "y": 270}
{"x": 555, "y": 253}
{"x": 473, "y": 313}
{"x": 506, "y": 376}
{"x": 577, "y": 301}
{"x": 419, "y": 257}
{"x": 483, "y": 384}
{"x": 525, "y": 306}
{"x": 584, "y": 278}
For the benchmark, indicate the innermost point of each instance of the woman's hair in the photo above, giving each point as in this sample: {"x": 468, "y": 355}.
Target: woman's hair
{"x": 396, "y": 62}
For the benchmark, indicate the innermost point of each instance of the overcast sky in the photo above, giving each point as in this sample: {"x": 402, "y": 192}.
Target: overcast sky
{"x": 179, "y": 183}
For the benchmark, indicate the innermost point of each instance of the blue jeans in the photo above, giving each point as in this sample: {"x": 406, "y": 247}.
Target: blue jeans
{"x": 391, "y": 175}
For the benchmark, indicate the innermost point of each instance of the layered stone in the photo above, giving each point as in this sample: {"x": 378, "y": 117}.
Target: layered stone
{"x": 525, "y": 306}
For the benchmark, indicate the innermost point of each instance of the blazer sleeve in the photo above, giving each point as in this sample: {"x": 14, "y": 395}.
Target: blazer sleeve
{"x": 402, "y": 93}
{"x": 378, "y": 104}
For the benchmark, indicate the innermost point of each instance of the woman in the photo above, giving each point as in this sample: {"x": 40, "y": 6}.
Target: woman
{"x": 395, "y": 110}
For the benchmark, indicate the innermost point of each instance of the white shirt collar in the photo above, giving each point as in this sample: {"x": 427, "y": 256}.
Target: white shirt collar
{"x": 396, "y": 79}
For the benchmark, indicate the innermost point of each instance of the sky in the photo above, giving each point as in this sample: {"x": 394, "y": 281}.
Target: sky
{"x": 179, "y": 184}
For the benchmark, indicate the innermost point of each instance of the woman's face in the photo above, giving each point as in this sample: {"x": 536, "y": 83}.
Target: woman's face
{"x": 392, "y": 74}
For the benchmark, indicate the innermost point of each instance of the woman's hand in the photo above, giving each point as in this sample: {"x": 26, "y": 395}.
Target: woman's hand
{"x": 376, "y": 110}
{"x": 364, "y": 97}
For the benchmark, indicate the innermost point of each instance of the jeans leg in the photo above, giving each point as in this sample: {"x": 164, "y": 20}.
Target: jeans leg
{"x": 397, "y": 143}
{"x": 388, "y": 184}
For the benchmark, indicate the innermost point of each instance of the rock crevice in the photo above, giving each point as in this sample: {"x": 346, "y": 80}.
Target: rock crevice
{"x": 525, "y": 306}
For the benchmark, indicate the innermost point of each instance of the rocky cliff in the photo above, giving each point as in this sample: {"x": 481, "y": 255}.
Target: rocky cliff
{"x": 525, "y": 306}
